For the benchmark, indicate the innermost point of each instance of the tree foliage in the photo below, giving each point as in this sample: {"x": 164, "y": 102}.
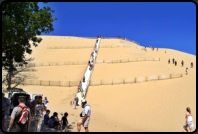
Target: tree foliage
{"x": 21, "y": 22}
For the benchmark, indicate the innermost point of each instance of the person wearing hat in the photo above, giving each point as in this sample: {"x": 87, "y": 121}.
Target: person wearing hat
{"x": 5, "y": 112}
{"x": 86, "y": 112}
{"x": 16, "y": 111}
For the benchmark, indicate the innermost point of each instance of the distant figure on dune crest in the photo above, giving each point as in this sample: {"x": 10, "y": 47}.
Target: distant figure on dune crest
{"x": 173, "y": 60}
{"x": 189, "y": 120}
{"x": 191, "y": 64}
{"x": 74, "y": 104}
{"x": 157, "y": 49}
{"x": 175, "y": 63}
{"x": 165, "y": 51}
{"x": 182, "y": 63}
{"x": 169, "y": 61}
{"x": 186, "y": 71}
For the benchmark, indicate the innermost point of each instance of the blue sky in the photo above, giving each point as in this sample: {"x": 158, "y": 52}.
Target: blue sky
{"x": 160, "y": 24}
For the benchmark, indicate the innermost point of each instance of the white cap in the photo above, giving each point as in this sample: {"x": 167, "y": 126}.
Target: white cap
{"x": 83, "y": 100}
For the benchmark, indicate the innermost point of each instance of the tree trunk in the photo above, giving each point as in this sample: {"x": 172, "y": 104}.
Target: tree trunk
{"x": 9, "y": 81}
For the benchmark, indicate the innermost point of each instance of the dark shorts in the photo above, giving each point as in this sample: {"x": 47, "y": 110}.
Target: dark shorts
{"x": 64, "y": 127}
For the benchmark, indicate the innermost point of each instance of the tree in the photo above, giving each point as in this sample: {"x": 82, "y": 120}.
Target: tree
{"x": 21, "y": 22}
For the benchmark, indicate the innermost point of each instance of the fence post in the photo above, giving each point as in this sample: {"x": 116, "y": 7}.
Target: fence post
{"x": 59, "y": 83}
{"x": 40, "y": 82}
{"x": 123, "y": 81}
{"x": 101, "y": 82}
{"x": 31, "y": 82}
{"x": 135, "y": 80}
{"x": 170, "y": 76}
{"x": 23, "y": 82}
{"x": 69, "y": 83}
{"x": 158, "y": 77}
{"x": 57, "y": 63}
{"x": 181, "y": 75}
{"x": 49, "y": 83}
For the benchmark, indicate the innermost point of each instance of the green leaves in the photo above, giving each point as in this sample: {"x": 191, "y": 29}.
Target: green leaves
{"x": 21, "y": 22}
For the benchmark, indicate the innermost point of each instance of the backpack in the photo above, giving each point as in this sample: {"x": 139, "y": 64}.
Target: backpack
{"x": 51, "y": 122}
{"x": 22, "y": 118}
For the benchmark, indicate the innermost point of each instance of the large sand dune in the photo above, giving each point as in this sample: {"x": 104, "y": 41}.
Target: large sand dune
{"x": 148, "y": 106}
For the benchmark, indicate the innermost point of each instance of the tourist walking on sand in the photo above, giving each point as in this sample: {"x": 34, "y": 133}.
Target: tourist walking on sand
{"x": 34, "y": 102}
{"x": 16, "y": 114}
{"x": 76, "y": 101}
{"x": 169, "y": 61}
{"x": 74, "y": 104}
{"x": 86, "y": 112}
{"x": 45, "y": 103}
{"x": 189, "y": 120}
{"x": 173, "y": 60}
{"x": 5, "y": 112}
{"x": 182, "y": 63}
{"x": 64, "y": 122}
{"x": 191, "y": 64}
{"x": 38, "y": 116}
{"x": 175, "y": 63}
{"x": 186, "y": 71}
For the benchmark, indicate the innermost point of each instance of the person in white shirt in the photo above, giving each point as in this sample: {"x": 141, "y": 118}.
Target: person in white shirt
{"x": 85, "y": 116}
{"x": 189, "y": 120}
{"x": 186, "y": 71}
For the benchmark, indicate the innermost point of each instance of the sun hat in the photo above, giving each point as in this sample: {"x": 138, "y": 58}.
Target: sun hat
{"x": 84, "y": 101}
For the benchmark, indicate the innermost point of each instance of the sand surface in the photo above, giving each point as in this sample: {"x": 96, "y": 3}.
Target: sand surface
{"x": 155, "y": 106}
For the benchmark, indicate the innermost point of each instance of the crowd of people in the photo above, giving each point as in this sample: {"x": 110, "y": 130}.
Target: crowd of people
{"x": 107, "y": 37}
{"x": 182, "y": 64}
{"x": 22, "y": 114}
{"x": 152, "y": 48}
{"x": 23, "y": 125}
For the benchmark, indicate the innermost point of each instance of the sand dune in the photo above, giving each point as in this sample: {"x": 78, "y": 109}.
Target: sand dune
{"x": 155, "y": 106}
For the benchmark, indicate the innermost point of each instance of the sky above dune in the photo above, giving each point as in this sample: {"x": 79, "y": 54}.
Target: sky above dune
{"x": 160, "y": 24}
